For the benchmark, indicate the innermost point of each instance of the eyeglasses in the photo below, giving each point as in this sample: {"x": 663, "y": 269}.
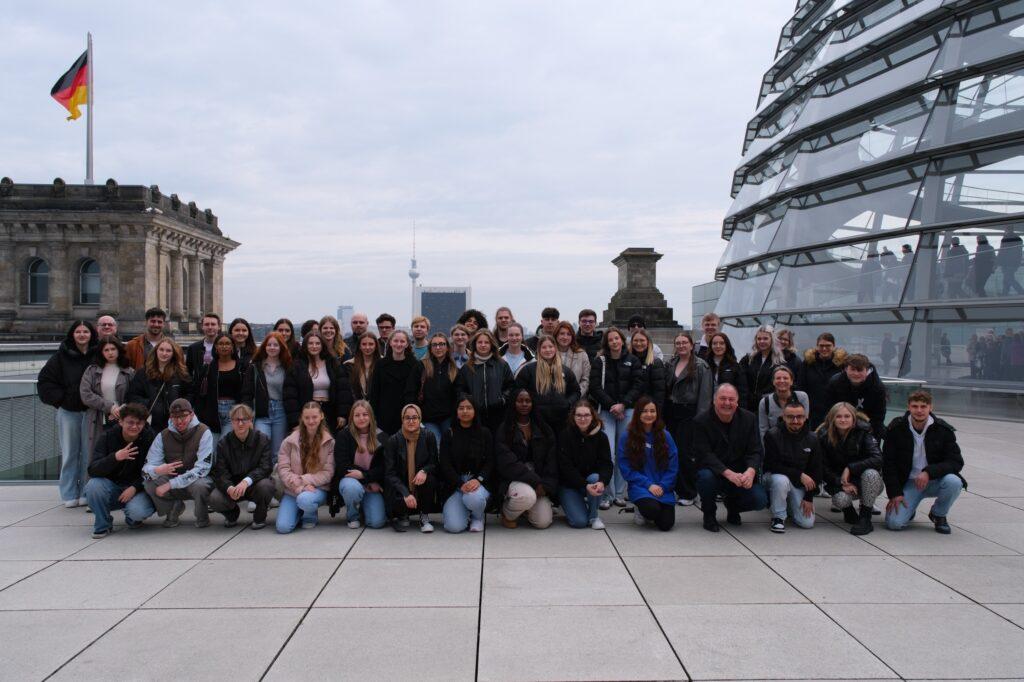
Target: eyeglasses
{"x": 439, "y": 344}
{"x": 411, "y": 418}
{"x": 794, "y": 417}
{"x": 241, "y": 420}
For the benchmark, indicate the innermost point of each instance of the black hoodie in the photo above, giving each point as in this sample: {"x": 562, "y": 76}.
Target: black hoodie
{"x": 869, "y": 397}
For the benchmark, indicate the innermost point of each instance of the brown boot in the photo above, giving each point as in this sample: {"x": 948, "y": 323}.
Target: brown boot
{"x": 507, "y": 522}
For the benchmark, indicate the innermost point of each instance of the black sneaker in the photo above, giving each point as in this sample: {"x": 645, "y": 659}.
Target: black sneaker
{"x": 711, "y": 524}
{"x": 850, "y": 515}
{"x": 734, "y": 519}
{"x": 99, "y": 534}
{"x": 941, "y": 525}
{"x": 778, "y": 525}
{"x": 399, "y": 527}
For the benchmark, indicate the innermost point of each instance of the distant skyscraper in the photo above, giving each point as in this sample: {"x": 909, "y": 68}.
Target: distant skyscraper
{"x": 442, "y": 305}
{"x": 880, "y": 195}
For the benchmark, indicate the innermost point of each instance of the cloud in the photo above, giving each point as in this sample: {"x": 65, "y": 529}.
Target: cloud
{"x": 530, "y": 142}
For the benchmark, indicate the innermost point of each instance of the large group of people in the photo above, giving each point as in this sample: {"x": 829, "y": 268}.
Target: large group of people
{"x": 393, "y": 426}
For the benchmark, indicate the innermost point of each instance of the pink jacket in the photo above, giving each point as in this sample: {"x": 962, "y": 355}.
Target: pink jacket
{"x": 289, "y": 465}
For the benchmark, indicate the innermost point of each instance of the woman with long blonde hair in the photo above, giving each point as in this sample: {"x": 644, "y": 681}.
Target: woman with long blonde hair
{"x": 851, "y": 461}
{"x": 330, "y": 330}
{"x": 552, "y": 387}
{"x": 306, "y": 467}
{"x": 359, "y": 469}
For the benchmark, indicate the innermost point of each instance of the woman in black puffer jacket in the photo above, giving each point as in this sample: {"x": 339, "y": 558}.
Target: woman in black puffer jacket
{"x": 852, "y": 464}
{"x": 554, "y": 388}
{"x": 487, "y": 378}
{"x": 59, "y": 384}
{"x": 584, "y": 467}
{"x": 654, "y": 381}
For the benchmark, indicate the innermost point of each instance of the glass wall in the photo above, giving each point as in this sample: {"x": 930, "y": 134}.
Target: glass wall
{"x": 982, "y": 261}
{"x": 976, "y": 108}
{"x": 746, "y": 287}
{"x": 988, "y": 349}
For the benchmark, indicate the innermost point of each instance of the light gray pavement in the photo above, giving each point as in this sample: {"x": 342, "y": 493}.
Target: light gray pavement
{"x": 559, "y": 604}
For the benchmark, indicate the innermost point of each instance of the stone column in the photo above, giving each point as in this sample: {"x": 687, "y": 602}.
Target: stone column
{"x": 195, "y": 305}
{"x": 9, "y": 273}
{"x": 176, "y": 289}
{"x": 216, "y": 284}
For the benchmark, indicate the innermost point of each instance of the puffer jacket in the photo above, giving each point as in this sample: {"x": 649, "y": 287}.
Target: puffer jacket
{"x": 581, "y": 454}
{"x": 793, "y": 454}
{"x": 553, "y": 407}
{"x": 653, "y": 382}
{"x": 941, "y": 451}
{"x": 534, "y": 463}
{"x": 869, "y": 397}
{"x": 729, "y": 372}
{"x": 815, "y": 374}
{"x": 758, "y": 371}
{"x": 858, "y": 451}
{"x": 490, "y": 383}
{"x": 436, "y": 395}
{"x": 615, "y": 381}
{"x": 60, "y": 380}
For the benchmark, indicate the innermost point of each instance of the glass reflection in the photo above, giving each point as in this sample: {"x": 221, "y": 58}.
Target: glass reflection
{"x": 883, "y": 135}
{"x": 746, "y": 288}
{"x": 972, "y": 262}
{"x": 753, "y": 235}
{"x": 976, "y": 108}
{"x": 867, "y": 206}
{"x": 974, "y": 186}
{"x": 968, "y": 352}
{"x": 982, "y": 37}
{"x": 851, "y": 274}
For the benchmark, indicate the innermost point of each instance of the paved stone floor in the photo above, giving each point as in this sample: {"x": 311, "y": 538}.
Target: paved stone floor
{"x": 559, "y": 604}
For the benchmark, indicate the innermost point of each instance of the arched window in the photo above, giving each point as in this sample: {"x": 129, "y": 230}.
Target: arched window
{"x": 38, "y": 282}
{"x": 89, "y": 282}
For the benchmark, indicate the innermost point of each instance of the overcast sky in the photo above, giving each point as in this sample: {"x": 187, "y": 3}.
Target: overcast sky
{"x": 529, "y": 141}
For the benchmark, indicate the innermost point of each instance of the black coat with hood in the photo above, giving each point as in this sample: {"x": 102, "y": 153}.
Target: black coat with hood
{"x": 858, "y": 451}
{"x": 869, "y": 397}
{"x": 466, "y": 452}
{"x": 298, "y": 390}
{"x": 815, "y": 374}
{"x": 581, "y": 454}
{"x": 615, "y": 381}
{"x": 534, "y": 463}
{"x": 390, "y": 390}
{"x": 940, "y": 447}
{"x": 490, "y": 384}
{"x": 436, "y": 395}
{"x": 60, "y": 380}
{"x": 793, "y": 454}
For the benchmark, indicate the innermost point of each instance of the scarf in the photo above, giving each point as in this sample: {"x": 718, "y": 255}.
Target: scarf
{"x": 363, "y": 455}
{"x": 410, "y": 459}
{"x": 481, "y": 359}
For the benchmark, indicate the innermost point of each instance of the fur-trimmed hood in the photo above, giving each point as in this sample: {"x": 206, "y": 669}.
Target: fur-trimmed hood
{"x": 838, "y": 356}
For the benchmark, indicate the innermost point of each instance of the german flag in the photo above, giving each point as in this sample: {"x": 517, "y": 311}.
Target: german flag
{"x": 71, "y": 89}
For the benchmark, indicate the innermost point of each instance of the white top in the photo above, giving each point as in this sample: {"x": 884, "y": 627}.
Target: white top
{"x": 321, "y": 383}
{"x": 920, "y": 460}
{"x": 108, "y": 382}
{"x": 514, "y": 361}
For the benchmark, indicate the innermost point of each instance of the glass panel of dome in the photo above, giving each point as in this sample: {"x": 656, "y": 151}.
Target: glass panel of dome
{"x": 992, "y": 33}
{"x": 977, "y": 108}
{"x": 884, "y": 135}
{"x": 903, "y": 65}
{"x": 746, "y": 288}
{"x": 974, "y": 186}
{"x": 763, "y": 182}
{"x": 753, "y": 235}
{"x": 866, "y": 207}
{"x": 974, "y": 352}
{"x": 981, "y": 261}
{"x": 853, "y": 274}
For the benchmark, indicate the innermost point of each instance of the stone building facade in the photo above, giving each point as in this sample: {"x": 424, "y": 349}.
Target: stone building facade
{"x": 80, "y": 251}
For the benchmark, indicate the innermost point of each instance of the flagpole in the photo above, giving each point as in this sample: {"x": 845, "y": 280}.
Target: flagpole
{"x": 88, "y": 120}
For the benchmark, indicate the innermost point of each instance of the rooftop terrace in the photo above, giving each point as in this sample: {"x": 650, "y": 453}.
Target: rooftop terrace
{"x": 558, "y": 604}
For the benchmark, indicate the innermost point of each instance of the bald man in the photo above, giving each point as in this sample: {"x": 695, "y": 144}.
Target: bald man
{"x": 106, "y": 325}
{"x": 359, "y": 323}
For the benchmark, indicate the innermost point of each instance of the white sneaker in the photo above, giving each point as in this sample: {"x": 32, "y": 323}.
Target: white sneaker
{"x": 354, "y": 523}
{"x": 638, "y": 518}
{"x": 71, "y": 504}
{"x": 476, "y": 526}
{"x": 251, "y": 507}
{"x": 82, "y": 502}
{"x": 597, "y": 523}
{"x": 687, "y": 502}
{"x": 425, "y": 525}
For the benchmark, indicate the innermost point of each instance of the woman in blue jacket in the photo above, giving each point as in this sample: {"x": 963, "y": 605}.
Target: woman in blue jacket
{"x": 649, "y": 461}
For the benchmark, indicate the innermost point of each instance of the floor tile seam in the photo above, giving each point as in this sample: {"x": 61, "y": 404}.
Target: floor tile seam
{"x": 14, "y": 524}
{"x": 818, "y": 606}
{"x": 650, "y": 610}
{"x": 23, "y": 578}
{"x": 970, "y": 532}
{"x": 971, "y": 600}
{"x": 309, "y": 608}
{"x": 93, "y": 641}
{"x": 480, "y": 602}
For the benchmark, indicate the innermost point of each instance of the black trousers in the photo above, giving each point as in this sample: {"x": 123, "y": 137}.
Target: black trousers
{"x": 663, "y": 515}
{"x": 261, "y": 492}
{"x": 426, "y": 499}
{"x": 679, "y": 419}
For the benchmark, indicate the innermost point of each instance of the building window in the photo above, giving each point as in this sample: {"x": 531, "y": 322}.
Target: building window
{"x": 38, "y": 282}
{"x": 89, "y": 282}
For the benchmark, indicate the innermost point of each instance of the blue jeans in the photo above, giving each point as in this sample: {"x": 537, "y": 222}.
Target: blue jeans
{"x": 73, "y": 434}
{"x": 224, "y": 406}
{"x": 613, "y": 429}
{"x": 580, "y": 507}
{"x": 710, "y": 485}
{"x": 306, "y": 502}
{"x": 437, "y": 428}
{"x": 460, "y": 507}
{"x": 275, "y": 427}
{"x": 786, "y": 495}
{"x": 357, "y": 497}
{"x": 102, "y": 494}
{"x": 945, "y": 491}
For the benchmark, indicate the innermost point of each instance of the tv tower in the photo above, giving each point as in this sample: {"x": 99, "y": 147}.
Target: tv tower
{"x": 414, "y": 274}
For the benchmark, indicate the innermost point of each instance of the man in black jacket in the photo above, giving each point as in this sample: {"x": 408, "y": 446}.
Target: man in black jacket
{"x": 820, "y": 365}
{"x": 241, "y": 470}
{"x": 588, "y": 336}
{"x": 116, "y": 472}
{"x": 921, "y": 459}
{"x": 200, "y": 354}
{"x": 728, "y": 451}
{"x": 793, "y": 458}
{"x": 860, "y": 386}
